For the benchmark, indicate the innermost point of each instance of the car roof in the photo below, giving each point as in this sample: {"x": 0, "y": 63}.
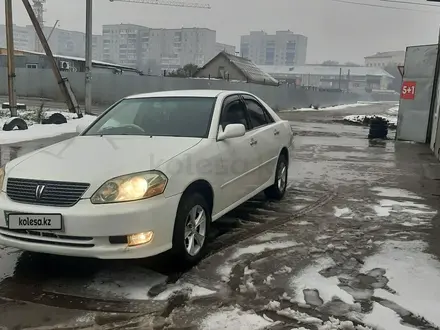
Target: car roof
{"x": 188, "y": 93}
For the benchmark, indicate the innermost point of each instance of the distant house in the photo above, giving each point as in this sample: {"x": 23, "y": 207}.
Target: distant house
{"x": 34, "y": 60}
{"x": 230, "y": 67}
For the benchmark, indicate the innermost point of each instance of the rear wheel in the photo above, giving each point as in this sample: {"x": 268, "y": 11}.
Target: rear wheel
{"x": 278, "y": 189}
{"x": 191, "y": 229}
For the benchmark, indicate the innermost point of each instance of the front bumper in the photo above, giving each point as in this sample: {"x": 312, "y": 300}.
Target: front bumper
{"x": 89, "y": 229}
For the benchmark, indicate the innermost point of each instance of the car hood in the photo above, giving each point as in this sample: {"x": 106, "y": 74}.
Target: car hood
{"x": 96, "y": 159}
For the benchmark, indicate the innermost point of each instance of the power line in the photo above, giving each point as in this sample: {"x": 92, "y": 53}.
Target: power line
{"x": 411, "y": 3}
{"x": 381, "y": 6}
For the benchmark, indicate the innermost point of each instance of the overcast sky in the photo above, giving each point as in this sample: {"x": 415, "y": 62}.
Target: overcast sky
{"x": 335, "y": 31}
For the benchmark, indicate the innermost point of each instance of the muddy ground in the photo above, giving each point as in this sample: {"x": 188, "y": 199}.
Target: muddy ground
{"x": 354, "y": 245}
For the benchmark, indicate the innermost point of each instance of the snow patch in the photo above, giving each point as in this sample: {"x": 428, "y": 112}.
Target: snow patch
{"x": 360, "y": 119}
{"x": 383, "y": 318}
{"x": 226, "y": 269}
{"x": 136, "y": 283}
{"x": 407, "y": 263}
{"x": 258, "y": 248}
{"x": 193, "y": 291}
{"x": 234, "y": 319}
{"x": 393, "y": 111}
{"x": 309, "y": 278}
{"x": 39, "y": 131}
{"x": 342, "y": 212}
{"x": 336, "y": 107}
{"x": 303, "y": 223}
{"x": 270, "y": 236}
{"x": 395, "y": 193}
{"x": 389, "y": 207}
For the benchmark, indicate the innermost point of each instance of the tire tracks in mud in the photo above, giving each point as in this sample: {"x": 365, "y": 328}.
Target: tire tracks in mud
{"x": 237, "y": 238}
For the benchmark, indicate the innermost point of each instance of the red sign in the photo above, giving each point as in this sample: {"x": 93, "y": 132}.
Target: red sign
{"x": 408, "y": 90}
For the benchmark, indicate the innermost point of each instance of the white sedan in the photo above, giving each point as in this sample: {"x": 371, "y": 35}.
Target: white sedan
{"x": 148, "y": 175}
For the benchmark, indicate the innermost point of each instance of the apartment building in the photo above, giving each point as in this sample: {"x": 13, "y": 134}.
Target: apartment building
{"x": 157, "y": 50}
{"x": 281, "y": 48}
{"x": 22, "y": 38}
{"x": 123, "y": 43}
{"x": 61, "y": 42}
{"x": 169, "y": 49}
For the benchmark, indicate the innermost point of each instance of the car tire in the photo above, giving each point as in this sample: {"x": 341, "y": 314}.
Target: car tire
{"x": 186, "y": 230}
{"x": 278, "y": 189}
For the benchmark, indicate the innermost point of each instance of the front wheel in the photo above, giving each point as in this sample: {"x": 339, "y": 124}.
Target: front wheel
{"x": 278, "y": 189}
{"x": 191, "y": 228}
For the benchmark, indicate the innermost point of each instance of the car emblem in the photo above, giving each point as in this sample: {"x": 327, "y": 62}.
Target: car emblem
{"x": 39, "y": 191}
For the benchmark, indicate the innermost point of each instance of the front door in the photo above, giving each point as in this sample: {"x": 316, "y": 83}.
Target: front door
{"x": 267, "y": 135}
{"x": 239, "y": 177}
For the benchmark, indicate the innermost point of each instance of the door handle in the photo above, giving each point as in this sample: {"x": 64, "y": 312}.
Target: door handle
{"x": 253, "y": 142}
{"x": 276, "y": 132}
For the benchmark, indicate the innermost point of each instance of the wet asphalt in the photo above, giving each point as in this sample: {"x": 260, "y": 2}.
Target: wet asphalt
{"x": 334, "y": 165}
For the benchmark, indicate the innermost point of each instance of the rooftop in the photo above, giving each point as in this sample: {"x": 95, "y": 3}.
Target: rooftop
{"x": 82, "y": 59}
{"x": 248, "y": 68}
{"x": 321, "y": 70}
{"x": 185, "y": 93}
{"x": 387, "y": 54}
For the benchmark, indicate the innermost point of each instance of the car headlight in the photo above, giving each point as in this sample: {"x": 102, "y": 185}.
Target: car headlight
{"x": 2, "y": 177}
{"x": 131, "y": 187}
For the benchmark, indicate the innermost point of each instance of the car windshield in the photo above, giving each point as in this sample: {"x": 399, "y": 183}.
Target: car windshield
{"x": 159, "y": 116}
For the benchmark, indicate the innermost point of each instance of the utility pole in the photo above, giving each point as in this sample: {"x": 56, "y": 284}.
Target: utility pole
{"x": 11, "y": 59}
{"x": 89, "y": 53}
{"x": 63, "y": 83}
{"x": 340, "y": 77}
{"x": 348, "y": 80}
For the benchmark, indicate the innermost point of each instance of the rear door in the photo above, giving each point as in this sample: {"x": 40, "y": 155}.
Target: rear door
{"x": 267, "y": 135}
{"x": 239, "y": 176}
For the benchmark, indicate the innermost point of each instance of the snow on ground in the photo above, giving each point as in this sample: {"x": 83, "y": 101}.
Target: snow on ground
{"x": 336, "y": 107}
{"x": 408, "y": 213}
{"x": 382, "y": 318}
{"x": 309, "y": 278}
{"x": 126, "y": 284}
{"x": 225, "y": 269}
{"x": 235, "y": 319}
{"x": 269, "y": 236}
{"x": 343, "y": 212}
{"x": 393, "y": 111}
{"x": 406, "y": 262}
{"x": 39, "y": 131}
{"x": 136, "y": 283}
{"x": 360, "y": 119}
{"x": 333, "y": 323}
{"x": 394, "y": 193}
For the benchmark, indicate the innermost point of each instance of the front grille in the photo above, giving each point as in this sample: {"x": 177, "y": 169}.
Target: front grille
{"x": 55, "y": 193}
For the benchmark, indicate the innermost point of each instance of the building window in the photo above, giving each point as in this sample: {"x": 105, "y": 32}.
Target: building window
{"x": 31, "y": 66}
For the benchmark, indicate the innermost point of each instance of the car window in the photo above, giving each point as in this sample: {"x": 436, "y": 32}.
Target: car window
{"x": 234, "y": 112}
{"x": 256, "y": 113}
{"x": 125, "y": 117}
{"x": 158, "y": 116}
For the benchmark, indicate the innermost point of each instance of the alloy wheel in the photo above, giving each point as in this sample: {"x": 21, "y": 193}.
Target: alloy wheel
{"x": 195, "y": 230}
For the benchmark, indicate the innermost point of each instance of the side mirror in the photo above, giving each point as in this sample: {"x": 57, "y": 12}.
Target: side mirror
{"x": 80, "y": 128}
{"x": 232, "y": 131}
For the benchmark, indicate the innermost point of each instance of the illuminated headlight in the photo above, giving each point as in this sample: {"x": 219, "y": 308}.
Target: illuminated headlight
{"x": 2, "y": 177}
{"x": 140, "y": 239}
{"x": 131, "y": 187}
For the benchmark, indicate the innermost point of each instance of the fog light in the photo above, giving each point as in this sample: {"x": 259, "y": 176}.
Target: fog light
{"x": 139, "y": 239}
